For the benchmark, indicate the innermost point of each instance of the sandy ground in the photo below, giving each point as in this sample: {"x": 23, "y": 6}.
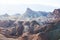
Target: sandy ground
{"x": 2, "y": 37}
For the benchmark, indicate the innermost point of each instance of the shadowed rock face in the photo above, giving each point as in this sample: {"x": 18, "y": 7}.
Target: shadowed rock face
{"x": 14, "y": 31}
{"x": 34, "y": 26}
{"x": 31, "y": 27}
{"x": 6, "y": 23}
{"x": 26, "y": 25}
{"x": 20, "y": 28}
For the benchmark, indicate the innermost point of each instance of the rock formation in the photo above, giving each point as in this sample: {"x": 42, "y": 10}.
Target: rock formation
{"x": 32, "y": 29}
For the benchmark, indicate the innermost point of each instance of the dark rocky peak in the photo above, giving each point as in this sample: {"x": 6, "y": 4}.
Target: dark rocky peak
{"x": 28, "y": 10}
{"x": 56, "y": 11}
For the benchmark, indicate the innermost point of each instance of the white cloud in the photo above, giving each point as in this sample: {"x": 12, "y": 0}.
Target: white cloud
{"x": 14, "y": 6}
{"x": 42, "y": 2}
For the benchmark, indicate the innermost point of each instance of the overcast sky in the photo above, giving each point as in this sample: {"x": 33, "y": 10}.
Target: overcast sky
{"x": 19, "y": 6}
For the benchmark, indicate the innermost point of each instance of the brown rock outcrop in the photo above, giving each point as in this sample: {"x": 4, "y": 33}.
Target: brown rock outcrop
{"x": 37, "y": 36}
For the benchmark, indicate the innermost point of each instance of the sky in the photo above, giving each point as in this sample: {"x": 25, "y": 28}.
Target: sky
{"x": 19, "y": 6}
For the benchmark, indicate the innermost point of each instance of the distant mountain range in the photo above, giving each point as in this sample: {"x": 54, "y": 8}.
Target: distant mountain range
{"x": 34, "y": 14}
{"x": 9, "y": 17}
{"x": 28, "y": 14}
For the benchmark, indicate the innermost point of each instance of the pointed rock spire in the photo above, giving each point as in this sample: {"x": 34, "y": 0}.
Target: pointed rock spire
{"x": 28, "y": 10}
